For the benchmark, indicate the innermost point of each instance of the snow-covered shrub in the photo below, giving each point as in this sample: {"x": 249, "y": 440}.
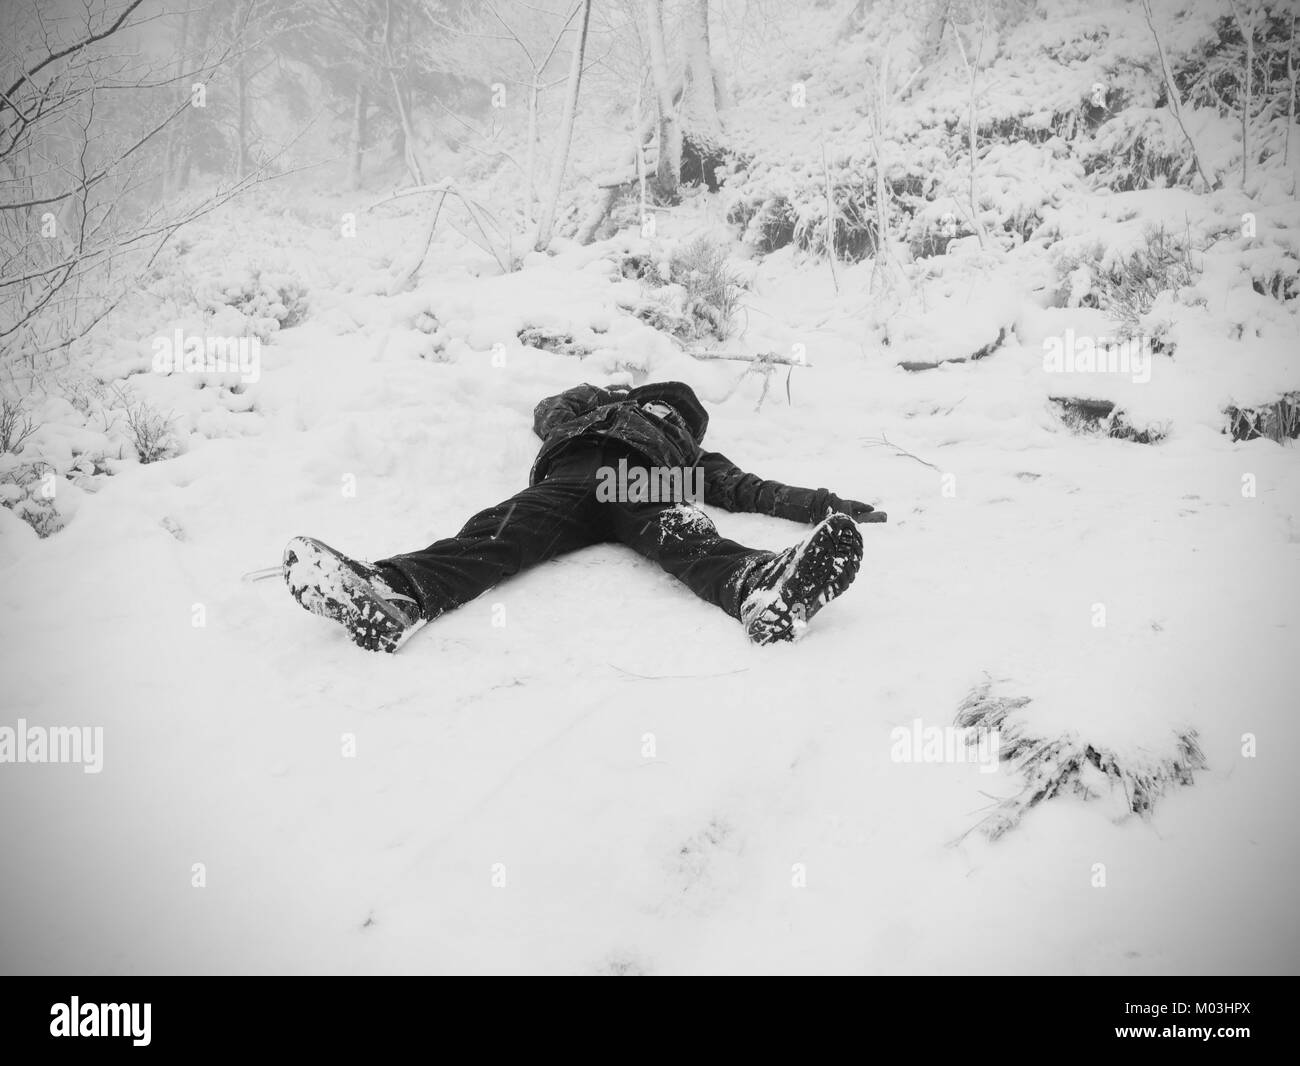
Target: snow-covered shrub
{"x": 1129, "y": 286}
{"x": 1280, "y": 282}
{"x": 557, "y": 341}
{"x": 711, "y": 294}
{"x": 151, "y": 433}
{"x": 16, "y": 424}
{"x": 1142, "y": 148}
{"x": 1212, "y": 73}
{"x": 665, "y": 310}
{"x": 765, "y": 225}
{"x": 25, "y": 489}
{"x": 779, "y": 204}
{"x": 87, "y": 394}
{"x": 1279, "y": 421}
{"x": 1069, "y": 764}
{"x": 1101, "y": 418}
{"x": 855, "y": 233}
{"x": 279, "y": 296}
{"x": 1130, "y": 289}
{"x": 269, "y": 301}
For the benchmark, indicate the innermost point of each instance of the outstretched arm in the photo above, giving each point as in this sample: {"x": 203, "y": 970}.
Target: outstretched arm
{"x": 729, "y": 487}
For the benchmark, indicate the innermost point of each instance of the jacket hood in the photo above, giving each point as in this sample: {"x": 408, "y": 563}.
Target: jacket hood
{"x": 680, "y": 396}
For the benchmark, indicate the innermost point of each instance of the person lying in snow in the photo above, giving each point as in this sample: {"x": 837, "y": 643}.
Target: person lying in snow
{"x": 651, "y": 436}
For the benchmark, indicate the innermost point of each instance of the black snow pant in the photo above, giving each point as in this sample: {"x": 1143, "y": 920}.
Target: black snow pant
{"x": 563, "y": 513}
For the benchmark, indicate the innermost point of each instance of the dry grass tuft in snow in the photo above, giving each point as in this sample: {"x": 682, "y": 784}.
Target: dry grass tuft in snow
{"x": 1279, "y": 421}
{"x": 1068, "y": 764}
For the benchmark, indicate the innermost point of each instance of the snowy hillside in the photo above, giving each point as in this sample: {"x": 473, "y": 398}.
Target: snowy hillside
{"x": 588, "y": 770}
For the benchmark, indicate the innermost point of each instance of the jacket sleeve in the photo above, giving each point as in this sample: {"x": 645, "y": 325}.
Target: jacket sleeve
{"x": 554, "y": 411}
{"x": 729, "y": 487}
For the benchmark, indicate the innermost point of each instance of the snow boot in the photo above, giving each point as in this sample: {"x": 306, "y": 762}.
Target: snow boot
{"x": 785, "y": 590}
{"x": 361, "y": 596}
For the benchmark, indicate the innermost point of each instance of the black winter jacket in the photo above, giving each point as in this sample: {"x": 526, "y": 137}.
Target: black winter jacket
{"x": 591, "y": 413}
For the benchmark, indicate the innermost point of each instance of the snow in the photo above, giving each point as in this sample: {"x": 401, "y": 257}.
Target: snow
{"x": 587, "y": 770}
{"x": 522, "y": 744}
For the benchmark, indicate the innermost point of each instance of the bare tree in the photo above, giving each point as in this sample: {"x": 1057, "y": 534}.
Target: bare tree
{"x": 932, "y": 33}
{"x": 360, "y": 125}
{"x": 409, "y": 151}
{"x": 535, "y": 84}
{"x": 82, "y": 139}
{"x": 830, "y": 220}
{"x": 699, "y": 117}
{"x": 972, "y": 73}
{"x": 669, "y": 165}
{"x": 1171, "y": 91}
{"x": 1246, "y": 25}
{"x": 551, "y": 199}
{"x": 883, "y": 267}
{"x": 1291, "y": 73}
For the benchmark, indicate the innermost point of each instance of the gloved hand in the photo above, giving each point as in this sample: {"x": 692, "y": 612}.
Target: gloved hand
{"x": 855, "y": 509}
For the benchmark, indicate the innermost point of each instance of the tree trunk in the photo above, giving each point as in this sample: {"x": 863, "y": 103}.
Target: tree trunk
{"x": 1248, "y": 32}
{"x": 609, "y": 190}
{"x": 530, "y": 161}
{"x": 700, "y": 119}
{"x": 1175, "y": 102}
{"x": 241, "y": 13}
{"x": 360, "y": 107}
{"x": 169, "y": 156}
{"x": 546, "y": 222}
{"x": 1291, "y": 77}
{"x": 241, "y": 93}
{"x": 596, "y": 215}
{"x": 668, "y": 169}
{"x": 932, "y": 35}
{"x": 399, "y": 99}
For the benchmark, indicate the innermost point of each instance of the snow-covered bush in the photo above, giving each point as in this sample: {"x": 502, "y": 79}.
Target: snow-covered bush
{"x": 1142, "y": 148}
{"x": 1278, "y": 421}
{"x": 764, "y": 225}
{"x": 776, "y": 205}
{"x": 1127, "y": 287}
{"x": 712, "y": 294}
{"x": 1221, "y": 71}
{"x": 691, "y": 292}
{"x": 28, "y": 490}
{"x": 1069, "y": 764}
{"x": 271, "y": 301}
{"x": 152, "y": 434}
{"x": 87, "y": 394}
{"x": 1101, "y": 418}
{"x": 16, "y": 425}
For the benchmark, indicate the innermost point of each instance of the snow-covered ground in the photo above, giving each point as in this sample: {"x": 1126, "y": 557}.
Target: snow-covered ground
{"x": 590, "y": 771}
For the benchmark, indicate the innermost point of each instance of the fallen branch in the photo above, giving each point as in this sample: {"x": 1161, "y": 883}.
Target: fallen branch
{"x": 676, "y": 677}
{"x": 477, "y": 214}
{"x": 750, "y": 357}
{"x": 762, "y": 363}
{"x": 883, "y": 441}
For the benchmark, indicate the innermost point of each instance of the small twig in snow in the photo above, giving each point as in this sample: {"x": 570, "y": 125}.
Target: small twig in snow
{"x": 676, "y": 677}
{"x": 882, "y": 440}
